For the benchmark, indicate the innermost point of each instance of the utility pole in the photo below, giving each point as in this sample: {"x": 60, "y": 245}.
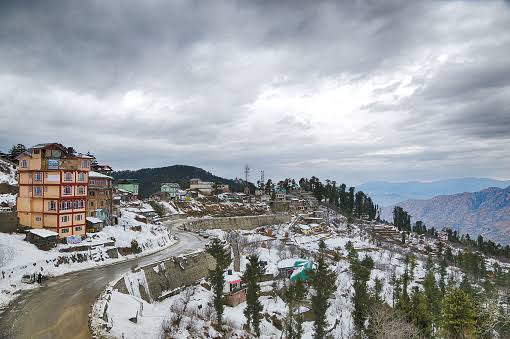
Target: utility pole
{"x": 246, "y": 176}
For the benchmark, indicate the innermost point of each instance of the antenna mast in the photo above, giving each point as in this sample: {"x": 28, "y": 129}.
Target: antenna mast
{"x": 246, "y": 176}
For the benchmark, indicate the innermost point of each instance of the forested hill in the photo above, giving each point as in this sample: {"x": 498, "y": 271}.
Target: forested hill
{"x": 150, "y": 179}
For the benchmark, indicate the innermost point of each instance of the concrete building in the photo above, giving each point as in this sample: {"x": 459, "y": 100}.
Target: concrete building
{"x": 53, "y": 188}
{"x": 100, "y": 200}
{"x": 171, "y": 189}
{"x": 128, "y": 185}
{"x": 207, "y": 187}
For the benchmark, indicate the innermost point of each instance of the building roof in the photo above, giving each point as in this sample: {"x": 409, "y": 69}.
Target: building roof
{"x": 43, "y": 233}
{"x": 171, "y": 184}
{"x": 94, "y": 174}
{"x": 94, "y": 220}
{"x": 232, "y": 278}
{"x": 292, "y": 262}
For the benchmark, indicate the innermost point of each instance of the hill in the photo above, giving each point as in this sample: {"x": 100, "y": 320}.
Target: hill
{"x": 486, "y": 212}
{"x": 390, "y": 193}
{"x": 150, "y": 179}
{"x": 7, "y": 172}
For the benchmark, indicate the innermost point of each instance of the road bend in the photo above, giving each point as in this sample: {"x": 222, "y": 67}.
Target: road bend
{"x": 60, "y": 308}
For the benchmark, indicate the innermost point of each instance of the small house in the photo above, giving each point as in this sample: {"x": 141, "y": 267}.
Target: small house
{"x": 42, "y": 238}
{"x": 305, "y": 229}
{"x": 94, "y": 224}
{"x": 287, "y": 266}
{"x": 443, "y": 237}
{"x": 233, "y": 289}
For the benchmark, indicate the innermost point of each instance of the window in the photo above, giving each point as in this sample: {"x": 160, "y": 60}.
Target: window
{"x": 91, "y": 204}
{"x": 85, "y": 164}
{"x": 38, "y": 218}
{"x": 24, "y": 163}
{"x": 102, "y": 203}
{"x": 64, "y": 218}
{"x": 68, "y": 190}
{"x": 66, "y": 205}
{"x": 81, "y": 176}
{"x": 80, "y": 203}
{"x": 37, "y": 191}
{"x": 77, "y": 228}
{"x": 92, "y": 182}
{"x": 81, "y": 189}
{"x": 65, "y": 230}
{"x": 37, "y": 176}
{"x": 36, "y": 151}
{"x": 52, "y": 205}
{"x": 68, "y": 176}
{"x": 78, "y": 217}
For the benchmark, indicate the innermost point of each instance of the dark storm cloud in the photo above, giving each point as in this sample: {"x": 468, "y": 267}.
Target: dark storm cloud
{"x": 221, "y": 83}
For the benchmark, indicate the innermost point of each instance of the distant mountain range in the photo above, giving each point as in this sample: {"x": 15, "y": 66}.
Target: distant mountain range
{"x": 486, "y": 212}
{"x": 150, "y": 179}
{"x": 390, "y": 193}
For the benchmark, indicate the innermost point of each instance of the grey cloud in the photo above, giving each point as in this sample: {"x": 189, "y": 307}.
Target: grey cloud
{"x": 211, "y": 60}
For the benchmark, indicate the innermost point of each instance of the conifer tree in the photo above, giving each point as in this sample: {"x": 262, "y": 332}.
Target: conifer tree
{"x": 294, "y": 294}
{"x": 253, "y": 308}
{"x": 323, "y": 282}
{"x": 216, "y": 277}
{"x": 419, "y": 312}
{"x": 360, "y": 270}
{"x": 458, "y": 314}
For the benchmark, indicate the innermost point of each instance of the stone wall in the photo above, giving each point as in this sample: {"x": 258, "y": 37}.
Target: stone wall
{"x": 167, "y": 276}
{"x": 236, "y": 223}
{"x": 8, "y": 189}
{"x": 8, "y": 222}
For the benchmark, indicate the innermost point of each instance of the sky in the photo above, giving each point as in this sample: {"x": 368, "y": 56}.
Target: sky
{"x": 353, "y": 91}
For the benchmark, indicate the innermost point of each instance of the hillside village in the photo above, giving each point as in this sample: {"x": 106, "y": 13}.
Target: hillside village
{"x": 63, "y": 211}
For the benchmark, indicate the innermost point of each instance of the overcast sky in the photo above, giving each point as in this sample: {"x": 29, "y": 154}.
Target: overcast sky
{"x": 348, "y": 90}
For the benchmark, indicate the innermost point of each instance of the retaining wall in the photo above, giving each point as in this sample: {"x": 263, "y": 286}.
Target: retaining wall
{"x": 8, "y": 222}
{"x": 236, "y": 223}
{"x": 155, "y": 281}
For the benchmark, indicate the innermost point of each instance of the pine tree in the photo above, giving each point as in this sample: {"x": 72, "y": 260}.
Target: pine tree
{"x": 294, "y": 294}
{"x": 432, "y": 292}
{"x": 253, "y": 308}
{"x": 360, "y": 270}
{"x": 458, "y": 314}
{"x": 419, "y": 312}
{"x": 323, "y": 280}
{"x": 216, "y": 277}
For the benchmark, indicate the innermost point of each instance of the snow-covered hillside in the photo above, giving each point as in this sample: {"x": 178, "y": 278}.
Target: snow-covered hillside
{"x": 190, "y": 313}
{"x": 7, "y": 172}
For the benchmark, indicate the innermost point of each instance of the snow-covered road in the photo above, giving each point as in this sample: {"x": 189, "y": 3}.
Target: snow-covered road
{"x": 60, "y": 308}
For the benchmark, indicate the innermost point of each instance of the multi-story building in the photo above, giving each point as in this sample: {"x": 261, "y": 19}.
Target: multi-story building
{"x": 53, "y": 187}
{"x": 207, "y": 187}
{"x": 100, "y": 199}
{"x": 170, "y": 188}
{"x": 128, "y": 185}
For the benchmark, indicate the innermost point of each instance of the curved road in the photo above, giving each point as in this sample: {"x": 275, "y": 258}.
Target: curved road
{"x": 60, "y": 308}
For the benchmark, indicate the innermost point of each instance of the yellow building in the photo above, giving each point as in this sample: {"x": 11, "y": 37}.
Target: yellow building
{"x": 53, "y": 188}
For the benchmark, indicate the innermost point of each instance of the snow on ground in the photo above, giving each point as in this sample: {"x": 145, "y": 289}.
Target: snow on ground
{"x": 18, "y": 257}
{"x": 9, "y": 199}
{"x": 189, "y": 314}
{"x": 7, "y": 173}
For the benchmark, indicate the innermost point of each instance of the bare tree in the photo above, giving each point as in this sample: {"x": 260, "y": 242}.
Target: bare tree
{"x": 387, "y": 323}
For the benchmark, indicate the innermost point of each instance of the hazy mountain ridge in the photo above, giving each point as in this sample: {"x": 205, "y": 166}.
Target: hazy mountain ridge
{"x": 390, "y": 193}
{"x": 486, "y": 212}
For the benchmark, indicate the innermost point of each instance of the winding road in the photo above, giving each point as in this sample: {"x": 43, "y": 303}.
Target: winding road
{"x": 60, "y": 308}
